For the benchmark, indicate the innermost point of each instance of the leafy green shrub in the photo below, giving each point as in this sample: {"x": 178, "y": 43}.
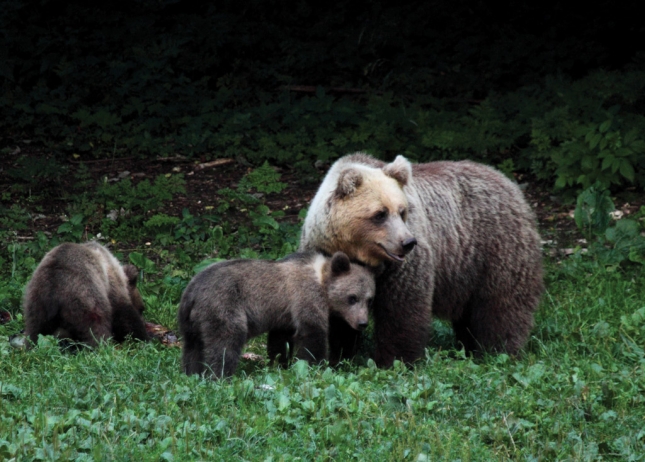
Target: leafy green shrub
{"x": 627, "y": 241}
{"x": 591, "y": 131}
{"x": 258, "y": 230}
{"x": 13, "y": 218}
{"x": 162, "y": 225}
{"x": 194, "y": 228}
{"x": 128, "y": 204}
{"x": 263, "y": 179}
{"x": 142, "y": 197}
{"x": 612, "y": 245}
{"x": 37, "y": 171}
{"x": 73, "y": 229}
{"x": 592, "y": 213}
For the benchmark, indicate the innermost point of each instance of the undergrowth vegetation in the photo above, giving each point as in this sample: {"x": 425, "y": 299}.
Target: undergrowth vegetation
{"x": 261, "y": 81}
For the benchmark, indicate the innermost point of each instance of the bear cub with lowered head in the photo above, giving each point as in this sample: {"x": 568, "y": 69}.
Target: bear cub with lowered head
{"x": 230, "y": 302}
{"x": 456, "y": 240}
{"x": 81, "y": 292}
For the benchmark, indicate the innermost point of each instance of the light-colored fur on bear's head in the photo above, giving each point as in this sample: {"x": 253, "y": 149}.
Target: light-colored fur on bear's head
{"x": 361, "y": 209}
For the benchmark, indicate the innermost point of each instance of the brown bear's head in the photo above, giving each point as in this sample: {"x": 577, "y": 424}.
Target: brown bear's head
{"x": 368, "y": 212}
{"x": 132, "y": 273}
{"x": 350, "y": 290}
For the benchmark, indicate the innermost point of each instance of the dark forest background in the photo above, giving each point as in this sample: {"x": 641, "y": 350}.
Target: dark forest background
{"x": 553, "y": 88}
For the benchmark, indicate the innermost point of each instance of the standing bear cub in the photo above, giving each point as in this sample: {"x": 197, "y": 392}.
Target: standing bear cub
{"x": 453, "y": 239}
{"x": 81, "y": 292}
{"x": 230, "y": 302}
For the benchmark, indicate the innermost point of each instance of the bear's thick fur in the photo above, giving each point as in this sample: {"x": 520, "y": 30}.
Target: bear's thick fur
{"x": 81, "y": 292}
{"x": 453, "y": 239}
{"x": 230, "y": 302}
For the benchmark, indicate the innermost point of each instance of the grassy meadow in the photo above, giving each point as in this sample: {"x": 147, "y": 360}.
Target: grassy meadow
{"x": 577, "y": 393}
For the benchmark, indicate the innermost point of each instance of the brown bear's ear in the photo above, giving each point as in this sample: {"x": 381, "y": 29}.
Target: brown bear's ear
{"x": 339, "y": 264}
{"x": 400, "y": 170}
{"x": 348, "y": 181}
{"x": 132, "y": 273}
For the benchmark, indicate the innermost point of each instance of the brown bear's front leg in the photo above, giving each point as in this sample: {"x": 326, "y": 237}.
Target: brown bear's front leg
{"x": 402, "y": 316}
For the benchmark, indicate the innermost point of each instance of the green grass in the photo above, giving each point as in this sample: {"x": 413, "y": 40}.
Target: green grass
{"x": 577, "y": 393}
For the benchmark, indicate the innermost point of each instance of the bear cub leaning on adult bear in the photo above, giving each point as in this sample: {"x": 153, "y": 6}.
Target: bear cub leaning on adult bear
{"x": 81, "y": 292}
{"x": 230, "y": 302}
{"x": 456, "y": 240}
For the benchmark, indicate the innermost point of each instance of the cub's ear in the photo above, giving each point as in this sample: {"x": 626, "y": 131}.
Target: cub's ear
{"x": 400, "y": 170}
{"x": 348, "y": 182}
{"x": 132, "y": 273}
{"x": 339, "y": 264}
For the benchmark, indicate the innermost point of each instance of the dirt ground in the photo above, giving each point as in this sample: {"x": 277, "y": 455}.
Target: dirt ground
{"x": 201, "y": 185}
{"x": 203, "y": 180}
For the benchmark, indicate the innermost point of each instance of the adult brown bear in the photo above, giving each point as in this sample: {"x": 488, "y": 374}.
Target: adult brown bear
{"x": 454, "y": 239}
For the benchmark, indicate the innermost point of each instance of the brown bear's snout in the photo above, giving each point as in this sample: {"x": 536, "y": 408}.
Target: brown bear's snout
{"x": 361, "y": 325}
{"x": 408, "y": 245}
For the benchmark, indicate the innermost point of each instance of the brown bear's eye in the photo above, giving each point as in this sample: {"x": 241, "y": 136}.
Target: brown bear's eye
{"x": 369, "y": 301}
{"x": 352, "y": 300}
{"x": 380, "y": 216}
{"x": 404, "y": 214}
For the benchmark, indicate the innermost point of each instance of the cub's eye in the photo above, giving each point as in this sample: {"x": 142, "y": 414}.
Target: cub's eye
{"x": 404, "y": 214}
{"x": 380, "y": 217}
{"x": 352, "y": 299}
{"x": 369, "y": 301}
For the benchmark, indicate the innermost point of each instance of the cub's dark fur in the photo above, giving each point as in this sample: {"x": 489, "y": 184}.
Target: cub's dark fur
{"x": 81, "y": 292}
{"x": 230, "y": 302}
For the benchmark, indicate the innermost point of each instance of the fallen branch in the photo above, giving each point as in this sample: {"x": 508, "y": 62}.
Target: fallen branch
{"x": 173, "y": 159}
{"x": 163, "y": 334}
{"x": 214, "y": 163}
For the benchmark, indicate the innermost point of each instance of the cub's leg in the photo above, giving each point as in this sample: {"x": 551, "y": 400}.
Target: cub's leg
{"x": 37, "y": 322}
{"x": 278, "y": 341}
{"x": 223, "y": 343}
{"x": 311, "y": 342}
{"x": 343, "y": 340}
{"x": 192, "y": 348}
{"x": 192, "y": 354}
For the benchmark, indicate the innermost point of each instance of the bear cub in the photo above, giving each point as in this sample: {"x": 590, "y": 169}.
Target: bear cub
{"x": 231, "y": 302}
{"x": 81, "y": 292}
